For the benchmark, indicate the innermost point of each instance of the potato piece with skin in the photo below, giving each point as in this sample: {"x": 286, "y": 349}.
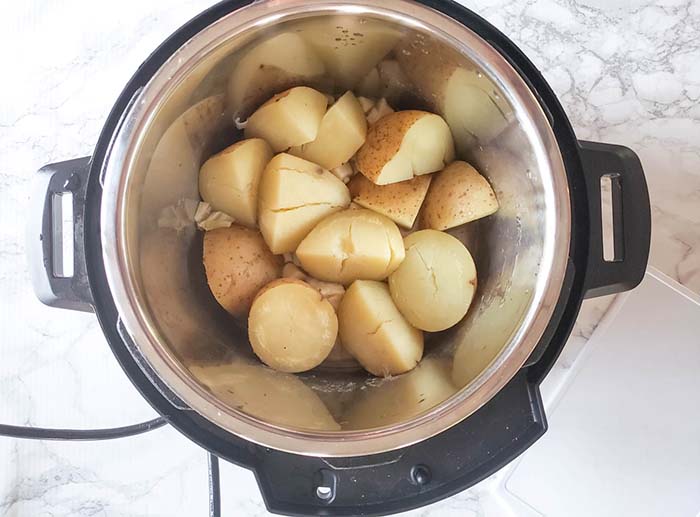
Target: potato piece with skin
{"x": 274, "y": 64}
{"x": 458, "y": 195}
{"x": 400, "y": 201}
{"x": 342, "y": 132}
{"x": 435, "y": 284}
{"x": 351, "y": 245}
{"x": 294, "y": 196}
{"x": 275, "y": 397}
{"x": 405, "y": 144}
{"x": 291, "y": 327}
{"x": 238, "y": 263}
{"x": 374, "y": 332}
{"x": 289, "y": 118}
{"x": 229, "y": 180}
{"x": 398, "y": 400}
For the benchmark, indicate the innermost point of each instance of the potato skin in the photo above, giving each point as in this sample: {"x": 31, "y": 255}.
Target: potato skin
{"x": 435, "y": 284}
{"x": 400, "y": 201}
{"x": 238, "y": 263}
{"x": 457, "y": 195}
{"x": 383, "y": 141}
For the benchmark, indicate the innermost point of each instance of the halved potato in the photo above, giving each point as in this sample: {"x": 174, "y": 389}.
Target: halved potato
{"x": 405, "y": 144}
{"x": 342, "y": 132}
{"x": 458, "y": 195}
{"x": 229, "y": 180}
{"x": 276, "y": 397}
{"x": 435, "y": 284}
{"x": 294, "y": 196}
{"x": 291, "y": 327}
{"x": 289, "y": 118}
{"x": 374, "y": 332}
{"x": 351, "y": 245}
{"x": 237, "y": 264}
{"x": 465, "y": 96}
{"x": 370, "y": 85}
{"x": 400, "y": 201}
{"x": 397, "y": 400}
{"x": 348, "y": 46}
{"x": 283, "y": 61}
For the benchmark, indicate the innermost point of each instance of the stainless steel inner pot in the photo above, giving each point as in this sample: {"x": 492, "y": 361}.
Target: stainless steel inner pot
{"x": 152, "y": 252}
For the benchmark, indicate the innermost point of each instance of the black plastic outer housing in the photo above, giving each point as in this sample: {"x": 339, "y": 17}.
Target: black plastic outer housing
{"x": 422, "y": 473}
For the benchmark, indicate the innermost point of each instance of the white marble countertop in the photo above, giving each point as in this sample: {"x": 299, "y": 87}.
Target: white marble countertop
{"x": 626, "y": 72}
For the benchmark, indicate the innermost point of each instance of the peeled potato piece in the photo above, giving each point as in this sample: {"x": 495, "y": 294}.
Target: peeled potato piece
{"x": 373, "y": 330}
{"x": 350, "y": 245}
{"x": 397, "y": 400}
{"x": 289, "y": 118}
{"x": 237, "y": 264}
{"x": 400, "y": 202}
{"x": 434, "y": 285}
{"x": 342, "y": 132}
{"x": 229, "y": 180}
{"x": 274, "y": 64}
{"x": 276, "y": 397}
{"x": 458, "y": 195}
{"x": 291, "y": 327}
{"x": 294, "y": 196}
{"x": 405, "y": 144}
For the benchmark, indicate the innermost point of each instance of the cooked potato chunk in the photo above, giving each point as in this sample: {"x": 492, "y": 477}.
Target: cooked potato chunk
{"x": 291, "y": 327}
{"x": 294, "y": 196}
{"x": 276, "y": 397}
{"x": 373, "y": 330}
{"x": 289, "y": 118}
{"x": 280, "y": 62}
{"x": 342, "y": 132}
{"x": 458, "y": 195}
{"x": 351, "y": 245}
{"x": 434, "y": 286}
{"x": 238, "y": 263}
{"x": 348, "y": 46}
{"x": 398, "y": 400}
{"x": 400, "y": 201}
{"x": 405, "y": 144}
{"x": 229, "y": 180}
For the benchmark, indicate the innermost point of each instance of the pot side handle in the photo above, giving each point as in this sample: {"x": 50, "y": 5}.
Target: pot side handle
{"x": 630, "y": 213}
{"x": 55, "y": 243}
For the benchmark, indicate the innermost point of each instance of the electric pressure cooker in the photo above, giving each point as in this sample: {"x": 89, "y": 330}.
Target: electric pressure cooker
{"x": 136, "y": 260}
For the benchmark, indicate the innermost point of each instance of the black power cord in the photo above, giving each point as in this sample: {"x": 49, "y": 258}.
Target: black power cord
{"x": 72, "y": 435}
{"x": 40, "y": 433}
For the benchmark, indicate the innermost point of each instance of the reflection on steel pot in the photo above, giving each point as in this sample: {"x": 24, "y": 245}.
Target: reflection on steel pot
{"x": 473, "y": 404}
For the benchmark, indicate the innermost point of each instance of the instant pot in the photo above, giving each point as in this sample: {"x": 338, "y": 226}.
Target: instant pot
{"x": 473, "y": 404}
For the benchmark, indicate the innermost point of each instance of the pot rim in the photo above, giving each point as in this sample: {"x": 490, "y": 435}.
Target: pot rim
{"x": 116, "y": 172}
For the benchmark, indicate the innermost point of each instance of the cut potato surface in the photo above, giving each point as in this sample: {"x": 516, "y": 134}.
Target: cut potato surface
{"x": 350, "y": 245}
{"x": 280, "y": 62}
{"x": 405, "y": 144}
{"x": 397, "y": 400}
{"x": 229, "y": 180}
{"x": 435, "y": 284}
{"x": 349, "y": 47}
{"x": 342, "y": 132}
{"x": 291, "y": 327}
{"x": 238, "y": 263}
{"x": 458, "y": 195}
{"x": 289, "y": 118}
{"x": 275, "y": 397}
{"x": 374, "y": 332}
{"x": 294, "y": 196}
{"x": 400, "y": 201}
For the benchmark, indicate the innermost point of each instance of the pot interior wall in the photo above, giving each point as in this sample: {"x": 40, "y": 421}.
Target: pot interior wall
{"x": 332, "y": 53}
